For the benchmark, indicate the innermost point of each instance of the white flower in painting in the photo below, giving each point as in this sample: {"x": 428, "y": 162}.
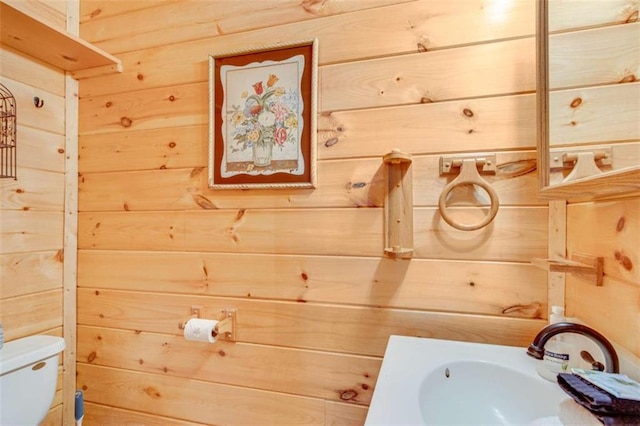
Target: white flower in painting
{"x": 266, "y": 118}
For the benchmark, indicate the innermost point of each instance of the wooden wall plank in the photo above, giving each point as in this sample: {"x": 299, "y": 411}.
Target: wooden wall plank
{"x": 35, "y": 190}
{"x": 40, "y": 149}
{"x": 358, "y": 183}
{"x": 34, "y": 313}
{"x": 164, "y": 107}
{"x": 160, "y": 149}
{"x": 50, "y": 118}
{"x": 613, "y": 233}
{"x": 587, "y": 58}
{"x": 193, "y": 20}
{"x": 199, "y": 401}
{"x": 112, "y": 416}
{"x": 54, "y": 417}
{"x": 53, "y": 12}
{"x": 27, "y": 70}
{"x": 595, "y": 114}
{"x": 328, "y": 232}
{"x": 345, "y": 329}
{"x": 426, "y": 77}
{"x": 340, "y": 414}
{"x": 493, "y": 123}
{"x": 26, "y": 273}
{"x": 24, "y": 231}
{"x": 408, "y": 28}
{"x": 375, "y": 83}
{"x": 563, "y": 14}
{"x": 509, "y": 289}
{"x": 309, "y": 373}
{"x": 593, "y": 305}
{"x": 92, "y": 10}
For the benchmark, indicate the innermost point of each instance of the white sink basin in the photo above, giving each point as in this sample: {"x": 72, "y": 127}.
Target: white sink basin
{"x": 441, "y": 382}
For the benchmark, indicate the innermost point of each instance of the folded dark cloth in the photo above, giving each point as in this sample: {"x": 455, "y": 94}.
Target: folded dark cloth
{"x": 608, "y": 408}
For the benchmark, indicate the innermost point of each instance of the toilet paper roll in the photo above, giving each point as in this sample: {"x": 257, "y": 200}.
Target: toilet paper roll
{"x": 200, "y": 330}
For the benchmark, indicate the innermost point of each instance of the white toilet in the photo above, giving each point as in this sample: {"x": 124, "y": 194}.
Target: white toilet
{"x": 28, "y": 376}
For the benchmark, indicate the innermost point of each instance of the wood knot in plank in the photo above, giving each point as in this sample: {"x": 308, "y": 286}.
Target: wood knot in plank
{"x": 203, "y": 202}
{"x": 196, "y": 172}
{"x": 331, "y": 142}
{"x": 517, "y": 168}
{"x": 633, "y": 17}
{"x": 631, "y": 78}
{"x": 576, "y": 103}
{"x": 349, "y": 395}
{"x": 314, "y": 7}
{"x": 620, "y": 224}
{"x": 623, "y": 260}
{"x": 532, "y": 310}
{"x": 152, "y": 392}
{"x": 126, "y": 122}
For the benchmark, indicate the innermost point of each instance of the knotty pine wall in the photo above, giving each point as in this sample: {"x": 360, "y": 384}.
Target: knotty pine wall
{"x": 316, "y": 299}
{"x": 614, "y": 234}
{"x": 31, "y": 207}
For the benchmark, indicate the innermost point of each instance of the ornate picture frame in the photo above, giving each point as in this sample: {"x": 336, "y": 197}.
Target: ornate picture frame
{"x": 262, "y": 117}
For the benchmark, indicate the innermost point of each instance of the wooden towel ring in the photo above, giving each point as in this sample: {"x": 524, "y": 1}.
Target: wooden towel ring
{"x": 469, "y": 175}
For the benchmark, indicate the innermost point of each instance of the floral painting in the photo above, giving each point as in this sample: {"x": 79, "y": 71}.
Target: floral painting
{"x": 262, "y": 123}
{"x": 263, "y": 117}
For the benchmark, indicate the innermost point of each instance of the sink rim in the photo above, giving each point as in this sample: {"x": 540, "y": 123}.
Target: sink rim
{"x": 408, "y": 360}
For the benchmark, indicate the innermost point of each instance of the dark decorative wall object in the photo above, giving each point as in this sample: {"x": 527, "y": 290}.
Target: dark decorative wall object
{"x": 8, "y": 161}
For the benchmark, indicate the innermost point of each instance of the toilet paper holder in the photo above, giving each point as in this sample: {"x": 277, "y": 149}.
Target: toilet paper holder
{"x": 225, "y": 329}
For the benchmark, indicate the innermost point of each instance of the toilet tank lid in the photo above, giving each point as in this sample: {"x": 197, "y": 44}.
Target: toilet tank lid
{"x": 28, "y": 350}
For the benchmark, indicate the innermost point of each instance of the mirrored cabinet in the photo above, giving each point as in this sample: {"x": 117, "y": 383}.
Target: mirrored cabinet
{"x": 588, "y": 99}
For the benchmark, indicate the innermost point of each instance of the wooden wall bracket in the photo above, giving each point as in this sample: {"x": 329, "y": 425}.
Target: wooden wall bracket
{"x": 226, "y": 327}
{"x": 587, "y": 267}
{"x": 398, "y": 205}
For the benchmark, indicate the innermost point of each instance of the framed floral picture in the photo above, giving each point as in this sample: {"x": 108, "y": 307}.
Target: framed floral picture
{"x": 262, "y": 117}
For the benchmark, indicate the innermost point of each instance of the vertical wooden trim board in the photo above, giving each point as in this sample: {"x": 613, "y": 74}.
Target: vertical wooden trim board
{"x": 557, "y": 250}
{"x": 70, "y": 229}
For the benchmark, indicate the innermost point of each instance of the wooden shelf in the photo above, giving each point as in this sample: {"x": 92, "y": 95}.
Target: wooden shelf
{"x": 53, "y": 46}
{"x": 588, "y": 267}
